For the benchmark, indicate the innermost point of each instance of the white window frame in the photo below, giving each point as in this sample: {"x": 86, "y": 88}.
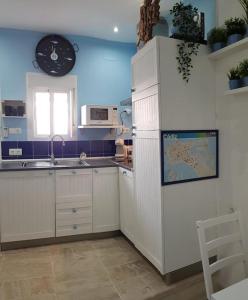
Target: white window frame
{"x": 43, "y": 83}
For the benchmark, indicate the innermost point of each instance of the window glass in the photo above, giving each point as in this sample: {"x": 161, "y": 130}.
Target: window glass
{"x": 61, "y": 113}
{"x": 42, "y": 114}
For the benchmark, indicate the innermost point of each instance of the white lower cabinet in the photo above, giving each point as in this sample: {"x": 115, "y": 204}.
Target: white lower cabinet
{"x": 27, "y": 205}
{"x": 105, "y": 200}
{"x": 73, "y": 202}
{"x": 128, "y": 207}
{"x": 44, "y": 204}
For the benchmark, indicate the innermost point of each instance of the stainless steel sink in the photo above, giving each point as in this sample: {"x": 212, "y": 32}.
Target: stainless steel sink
{"x": 71, "y": 163}
{"x": 44, "y": 164}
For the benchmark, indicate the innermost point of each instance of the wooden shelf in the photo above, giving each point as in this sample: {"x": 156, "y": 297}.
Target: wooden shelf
{"x": 237, "y": 91}
{"x": 224, "y": 52}
{"x": 100, "y": 127}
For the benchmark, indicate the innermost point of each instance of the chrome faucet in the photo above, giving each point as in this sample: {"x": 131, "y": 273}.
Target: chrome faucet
{"x": 52, "y": 148}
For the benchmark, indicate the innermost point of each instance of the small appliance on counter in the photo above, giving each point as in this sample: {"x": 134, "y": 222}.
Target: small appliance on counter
{"x": 120, "y": 150}
{"x": 123, "y": 152}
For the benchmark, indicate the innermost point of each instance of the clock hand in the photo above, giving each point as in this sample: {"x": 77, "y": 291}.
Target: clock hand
{"x": 54, "y": 56}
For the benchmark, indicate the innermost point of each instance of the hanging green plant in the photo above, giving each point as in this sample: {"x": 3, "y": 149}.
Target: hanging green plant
{"x": 186, "y": 28}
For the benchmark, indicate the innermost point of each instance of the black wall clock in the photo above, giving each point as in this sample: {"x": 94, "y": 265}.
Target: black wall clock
{"x": 55, "y": 55}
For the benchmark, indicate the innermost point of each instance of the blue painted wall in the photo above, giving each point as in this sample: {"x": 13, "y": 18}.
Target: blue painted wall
{"x": 103, "y": 69}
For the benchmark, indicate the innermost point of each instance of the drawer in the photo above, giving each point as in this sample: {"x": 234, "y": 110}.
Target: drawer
{"x": 73, "y": 204}
{"x": 73, "y": 172}
{"x": 72, "y": 213}
{"x": 74, "y": 229}
{"x": 74, "y": 220}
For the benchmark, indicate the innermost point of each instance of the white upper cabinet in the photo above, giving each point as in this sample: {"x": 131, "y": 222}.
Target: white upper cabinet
{"x": 145, "y": 67}
{"x": 146, "y": 109}
{"x": 27, "y": 205}
{"x": 73, "y": 202}
{"x": 128, "y": 207}
{"x": 105, "y": 200}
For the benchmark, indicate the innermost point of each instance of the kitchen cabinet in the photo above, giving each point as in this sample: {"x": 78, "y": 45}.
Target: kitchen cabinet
{"x": 146, "y": 109}
{"x": 27, "y": 205}
{"x": 105, "y": 200}
{"x": 73, "y": 202}
{"x": 145, "y": 71}
{"x": 166, "y": 215}
{"x": 128, "y": 207}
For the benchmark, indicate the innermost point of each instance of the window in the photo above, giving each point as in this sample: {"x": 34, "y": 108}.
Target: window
{"x": 51, "y": 111}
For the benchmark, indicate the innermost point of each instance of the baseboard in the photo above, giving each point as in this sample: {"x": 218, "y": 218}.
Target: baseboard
{"x": 186, "y": 272}
{"x": 58, "y": 240}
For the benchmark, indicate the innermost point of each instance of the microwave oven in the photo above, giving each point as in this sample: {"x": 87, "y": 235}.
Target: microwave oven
{"x": 99, "y": 115}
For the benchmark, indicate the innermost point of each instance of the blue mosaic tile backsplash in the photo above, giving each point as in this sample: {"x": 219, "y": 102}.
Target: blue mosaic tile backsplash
{"x": 72, "y": 149}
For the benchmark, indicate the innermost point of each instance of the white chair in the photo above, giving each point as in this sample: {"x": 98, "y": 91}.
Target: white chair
{"x": 207, "y": 246}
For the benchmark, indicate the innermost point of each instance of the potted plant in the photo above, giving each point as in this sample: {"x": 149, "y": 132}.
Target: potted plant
{"x": 217, "y": 38}
{"x": 236, "y": 29}
{"x": 244, "y": 4}
{"x": 243, "y": 71}
{"x": 185, "y": 21}
{"x": 234, "y": 78}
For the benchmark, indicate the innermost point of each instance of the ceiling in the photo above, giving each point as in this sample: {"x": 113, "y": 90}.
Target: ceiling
{"x": 95, "y": 18}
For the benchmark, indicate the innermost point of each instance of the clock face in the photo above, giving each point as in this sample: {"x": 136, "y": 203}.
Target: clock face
{"x": 55, "y": 55}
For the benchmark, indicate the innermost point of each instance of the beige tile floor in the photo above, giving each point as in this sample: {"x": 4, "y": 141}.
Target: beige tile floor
{"x": 109, "y": 269}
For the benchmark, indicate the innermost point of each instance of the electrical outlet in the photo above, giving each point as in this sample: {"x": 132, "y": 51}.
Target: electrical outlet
{"x": 15, "y": 130}
{"x": 15, "y": 152}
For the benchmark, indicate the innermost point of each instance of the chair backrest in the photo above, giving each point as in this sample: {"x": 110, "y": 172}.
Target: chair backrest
{"x": 207, "y": 246}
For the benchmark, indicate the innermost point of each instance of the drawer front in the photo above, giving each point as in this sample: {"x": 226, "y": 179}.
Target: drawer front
{"x": 74, "y": 221}
{"x": 72, "y": 172}
{"x": 74, "y": 229}
{"x": 73, "y": 204}
{"x": 73, "y": 213}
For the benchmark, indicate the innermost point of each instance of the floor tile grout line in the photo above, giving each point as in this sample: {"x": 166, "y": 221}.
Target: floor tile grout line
{"x": 110, "y": 279}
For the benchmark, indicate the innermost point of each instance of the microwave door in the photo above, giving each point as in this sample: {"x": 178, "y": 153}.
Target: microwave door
{"x": 100, "y": 116}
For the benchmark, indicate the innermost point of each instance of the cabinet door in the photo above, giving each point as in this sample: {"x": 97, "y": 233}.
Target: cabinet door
{"x": 105, "y": 200}
{"x": 145, "y": 67}
{"x": 149, "y": 234}
{"x": 73, "y": 202}
{"x": 146, "y": 109}
{"x": 27, "y": 205}
{"x": 127, "y": 204}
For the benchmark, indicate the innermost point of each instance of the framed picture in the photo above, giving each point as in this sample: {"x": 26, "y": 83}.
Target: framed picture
{"x": 189, "y": 155}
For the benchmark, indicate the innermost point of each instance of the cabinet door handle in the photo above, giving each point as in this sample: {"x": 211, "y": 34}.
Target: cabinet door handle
{"x": 75, "y": 227}
{"x": 133, "y": 134}
{"x": 74, "y": 210}
{"x": 124, "y": 173}
{"x": 96, "y": 171}
{"x": 74, "y": 172}
{"x": 50, "y": 173}
{"x": 133, "y": 90}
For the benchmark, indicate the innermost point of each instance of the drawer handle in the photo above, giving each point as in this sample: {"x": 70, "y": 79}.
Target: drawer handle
{"x": 74, "y": 172}
{"x": 74, "y": 210}
{"x": 75, "y": 227}
{"x": 50, "y": 173}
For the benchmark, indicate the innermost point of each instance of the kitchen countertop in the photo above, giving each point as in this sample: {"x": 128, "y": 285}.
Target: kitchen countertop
{"x": 30, "y": 165}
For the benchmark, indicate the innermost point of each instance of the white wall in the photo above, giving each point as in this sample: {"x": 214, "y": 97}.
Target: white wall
{"x": 186, "y": 107}
{"x": 226, "y": 9}
{"x": 232, "y": 120}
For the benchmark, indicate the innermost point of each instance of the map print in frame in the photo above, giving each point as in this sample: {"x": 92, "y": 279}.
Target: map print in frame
{"x": 189, "y": 155}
